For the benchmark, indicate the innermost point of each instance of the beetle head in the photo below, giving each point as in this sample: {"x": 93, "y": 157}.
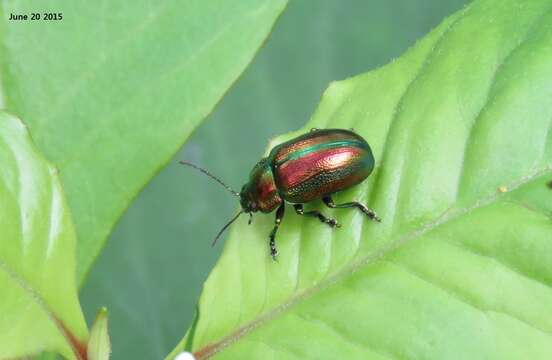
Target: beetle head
{"x": 247, "y": 202}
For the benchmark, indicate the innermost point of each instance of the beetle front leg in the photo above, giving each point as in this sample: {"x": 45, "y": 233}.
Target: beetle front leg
{"x": 369, "y": 212}
{"x": 315, "y": 213}
{"x": 277, "y": 222}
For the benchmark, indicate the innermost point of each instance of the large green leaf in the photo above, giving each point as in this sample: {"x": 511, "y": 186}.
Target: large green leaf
{"x": 461, "y": 266}
{"x": 39, "y": 305}
{"x": 111, "y": 92}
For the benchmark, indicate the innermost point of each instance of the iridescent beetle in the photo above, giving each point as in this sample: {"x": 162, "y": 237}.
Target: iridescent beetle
{"x": 312, "y": 166}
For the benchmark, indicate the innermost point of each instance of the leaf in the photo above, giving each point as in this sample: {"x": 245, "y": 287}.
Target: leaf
{"x": 461, "y": 266}
{"x": 99, "y": 346}
{"x": 109, "y": 104}
{"x": 39, "y": 304}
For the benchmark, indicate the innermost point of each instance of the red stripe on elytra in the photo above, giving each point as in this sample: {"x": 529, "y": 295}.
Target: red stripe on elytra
{"x": 293, "y": 172}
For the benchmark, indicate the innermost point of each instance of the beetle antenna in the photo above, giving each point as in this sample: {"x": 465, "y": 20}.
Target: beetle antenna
{"x": 226, "y": 227}
{"x": 233, "y": 192}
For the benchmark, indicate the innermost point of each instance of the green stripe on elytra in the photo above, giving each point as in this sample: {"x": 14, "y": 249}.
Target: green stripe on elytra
{"x": 322, "y": 146}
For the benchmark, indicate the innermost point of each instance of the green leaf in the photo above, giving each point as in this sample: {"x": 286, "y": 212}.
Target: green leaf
{"x": 39, "y": 304}
{"x": 99, "y": 346}
{"x": 461, "y": 266}
{"x": 109, "y": 104}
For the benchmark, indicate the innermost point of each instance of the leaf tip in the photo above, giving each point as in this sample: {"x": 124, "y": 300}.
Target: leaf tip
{"x": 99, "y": 345}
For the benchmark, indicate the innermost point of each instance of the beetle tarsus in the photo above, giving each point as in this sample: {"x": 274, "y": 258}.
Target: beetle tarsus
{"x": 274, "y": 253}
{"x": 333, "y": 223}
{"x": 277, "y": 222}
{"x": 366, "y": 210}
{"x": 315, "y": 213}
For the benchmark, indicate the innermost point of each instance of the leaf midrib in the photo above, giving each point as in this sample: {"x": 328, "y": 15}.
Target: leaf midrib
{"x": 37, "y": 298}
{"x": 445, "y": 217}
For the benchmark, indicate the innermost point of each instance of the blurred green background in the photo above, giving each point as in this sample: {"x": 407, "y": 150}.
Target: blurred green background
{"x": 151, "y": 271}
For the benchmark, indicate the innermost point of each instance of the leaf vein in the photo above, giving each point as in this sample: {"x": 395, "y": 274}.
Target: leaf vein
{"x": 491, "y": 94}
{"x": 319, "y": 322}
{"x": 397, "y": 108}
{"x": 464, "y": 299}
{"x": 509, "y": 266}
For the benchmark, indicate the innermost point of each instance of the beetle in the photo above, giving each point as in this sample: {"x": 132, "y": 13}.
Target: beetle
{"x": 312, "y": 166}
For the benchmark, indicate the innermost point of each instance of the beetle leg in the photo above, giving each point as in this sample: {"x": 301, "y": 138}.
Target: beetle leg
{"x": 277, "y": 222}
{"x": 369, "y": 212}
{"x": 332, "y": 222}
